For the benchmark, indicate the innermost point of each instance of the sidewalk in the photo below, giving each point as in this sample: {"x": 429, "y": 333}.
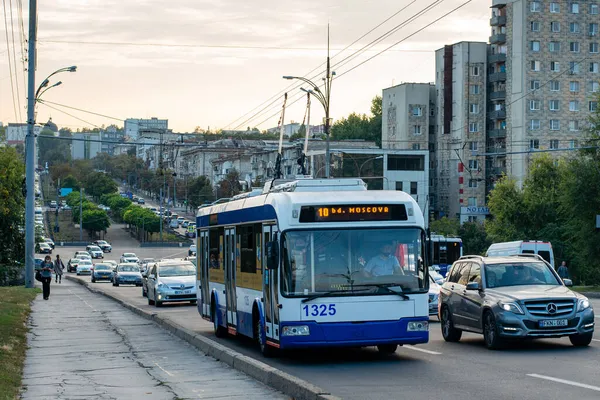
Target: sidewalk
{"x": 83, "y": 346}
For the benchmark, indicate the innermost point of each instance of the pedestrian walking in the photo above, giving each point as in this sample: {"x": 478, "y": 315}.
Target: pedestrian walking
{"x": 59, "y": 266}
{"x": 563, "y": 271}
{"x": 46, "y": 268}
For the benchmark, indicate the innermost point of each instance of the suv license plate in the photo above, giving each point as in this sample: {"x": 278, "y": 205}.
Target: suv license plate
{"x": 551, "y": 323}
{"x": 183, "y": 292}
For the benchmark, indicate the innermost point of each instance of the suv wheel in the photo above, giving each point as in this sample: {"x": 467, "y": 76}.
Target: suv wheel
{"x": 490, "y": 332}
{"x": 581, "y": 340}
{"x": 449, "y": 332}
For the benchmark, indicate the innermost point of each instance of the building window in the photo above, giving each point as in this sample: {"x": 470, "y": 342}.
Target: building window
{"x": 574, "y": 47}
{"x": 554, "y": 124}
{"x": 574, "y": 8}
{"x": 593, "y": 29}
{"x": 535, "y": 124}
{"x": 416, "y": 146}
{"x": 594, "y": 47}
{"x": 534, "y": 45}
{"x": 555, "y": 26}
{"x": 535, "y": 26}
{"x": 554, "y": 66}
{"x": 399, "y": 186}
{"x": 472, "y": 201}
{"x": 475, "y": 89}
{"x": 534, "y": 105}
{"x": 554, "y": 105}
{"x": 473, "y": 127}
{"x": 574, "y": 27}
{"x": 594, "y": 67}
{"x": 555, "y": 86}
{"x": 536, "y": 65}
{"x": 413, "y": 187}
{"x": 593, "y": 86}
{"x": 594, "y": 9}
{"x": 574, "y": 126}
{"x": 535, "y": 6}
{"x": 554, "y": 144}
{"x": 574, "y": 86}
{"x": 534, "y": 144}
{"x": 593, "y": 106}
{"x": 572, "y": 144}
{"x": 472, "y": 183}
{"x": 535, "y": 85}
{"x": 574, "y": 105}
{"x": 554, "y": 47}
{"x": 475, "y": 71}
{"x": 417, "y": 111}
{"x": 473, "y": 146}
{"x": 474, "y": 108}
{"x": 573, "y": 67}
{"x": 416, "y": 130}
{"x": 473, "y": 165}
{"x": 554, "y": 7}
{"x": 406, "y": 163}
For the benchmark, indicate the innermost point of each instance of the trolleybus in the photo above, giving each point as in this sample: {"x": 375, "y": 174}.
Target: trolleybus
{"x": 315, "y": 263}
{"x": 445, "y": 251}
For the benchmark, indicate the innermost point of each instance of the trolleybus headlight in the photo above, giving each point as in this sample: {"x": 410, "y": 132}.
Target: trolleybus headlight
{"x": 418, "y": 326}
{"x": 299, "y": 330}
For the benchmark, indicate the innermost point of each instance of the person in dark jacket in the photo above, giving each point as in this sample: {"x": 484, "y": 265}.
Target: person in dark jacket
{"x": 563, "y": 271}
{"x": 46, "y": 268}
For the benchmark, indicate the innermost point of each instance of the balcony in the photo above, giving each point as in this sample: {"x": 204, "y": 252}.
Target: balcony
{"x": 496, "y": 149}
{"x": 499, "y": 95}
{"x": 497, "y": 58}
{"x": 497, "y": 77}
{"x": 496, "y": 133}
{"x": 498, "y": 38}
{"x": 498, "y": 20}
{"x": 496, "y": 171}
{"x": 497, "y": 114}
{"x": 499, "y": 3}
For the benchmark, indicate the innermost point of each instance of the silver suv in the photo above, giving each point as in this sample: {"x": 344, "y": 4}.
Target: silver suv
{"x": 512, "y": 297}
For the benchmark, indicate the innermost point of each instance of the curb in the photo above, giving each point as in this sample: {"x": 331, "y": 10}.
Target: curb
{"x": 290, "y": 385}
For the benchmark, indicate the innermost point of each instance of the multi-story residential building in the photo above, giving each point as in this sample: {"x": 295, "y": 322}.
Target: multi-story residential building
{"x": 86, "y": 146}
{"x": 16, "y": 132}
{"x": 288, "y": 129}
{"x": 460, "y": 141}
{"x": 135, "y": 127}
{"x": 110, "y": 138}
{"x": 552, "y": 75}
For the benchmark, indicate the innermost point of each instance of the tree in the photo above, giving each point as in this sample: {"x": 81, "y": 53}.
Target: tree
{"x": 52, "y": 150}
{"x": 474, "y": 237}
{"x": 360, "y": 126}
{"x": 198, "y": 190}
{"x": 95, "y": 221}
{"x": 12, "y": 206}
{"x": 445, "y": 226}
{"x": 230, "y": 185}
{"x": 85, "y": 206}
{"x": 117, "y": 204}
{"x": 507, "y": 207}
{"x": 99, "y": 183}
{"x": 71, "y": 182}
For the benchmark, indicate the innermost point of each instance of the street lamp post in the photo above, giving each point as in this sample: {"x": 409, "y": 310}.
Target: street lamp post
{"x": 324, "y": 99}
{"x": 32, "y": 99}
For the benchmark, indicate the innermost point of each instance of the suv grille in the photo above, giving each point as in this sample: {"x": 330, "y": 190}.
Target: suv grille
{"x": 550, "y": 308}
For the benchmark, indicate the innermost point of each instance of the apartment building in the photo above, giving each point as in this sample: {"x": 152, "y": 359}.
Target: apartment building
{"x": 136, "y": 127}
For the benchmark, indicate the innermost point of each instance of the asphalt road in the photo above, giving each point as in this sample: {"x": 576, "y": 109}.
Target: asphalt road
{"x": 542, "y": 369}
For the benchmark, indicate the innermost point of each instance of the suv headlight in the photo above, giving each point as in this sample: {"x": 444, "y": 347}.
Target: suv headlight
{"x": 511, "y": 307}
{"x": 583, "y": 304}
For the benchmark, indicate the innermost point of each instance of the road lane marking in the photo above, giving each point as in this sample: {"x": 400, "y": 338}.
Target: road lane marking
{"x": 566, "y": 382}
{"x": 596, "y": 340}
{"x": 411, "y": 347}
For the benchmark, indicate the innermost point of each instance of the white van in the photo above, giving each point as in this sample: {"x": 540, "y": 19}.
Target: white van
{"x": 544, "y": 249}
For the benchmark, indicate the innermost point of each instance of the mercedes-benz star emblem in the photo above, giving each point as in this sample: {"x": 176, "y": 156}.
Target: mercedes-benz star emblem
{"x": 551, "y": 307}
{"x": 182, "y": 286}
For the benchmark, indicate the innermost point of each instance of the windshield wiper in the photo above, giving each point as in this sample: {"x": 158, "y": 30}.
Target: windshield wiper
{"x": 386, "y": 286}
{"x": 316, "y": 296}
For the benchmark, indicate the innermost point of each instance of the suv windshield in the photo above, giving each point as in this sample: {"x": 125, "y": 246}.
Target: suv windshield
{"x": 128, "y": 268}
{"x": 354, "y": 261}
{"x": 102, "y": 267}
{"x": 517, "y": 274}
{"x": 176, "y": 270}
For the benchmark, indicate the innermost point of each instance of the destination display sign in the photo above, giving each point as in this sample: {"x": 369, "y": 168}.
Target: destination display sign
{"x": 353, "y": 213}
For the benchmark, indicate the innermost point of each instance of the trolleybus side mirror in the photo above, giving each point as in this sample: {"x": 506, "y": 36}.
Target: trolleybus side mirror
{"x": 272, "y": 254}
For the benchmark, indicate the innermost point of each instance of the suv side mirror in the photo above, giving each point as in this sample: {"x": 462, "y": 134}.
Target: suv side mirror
{"x": 272, "y": 254}
{"x": 568, "y": 282}
{"x": 473, "y": 286}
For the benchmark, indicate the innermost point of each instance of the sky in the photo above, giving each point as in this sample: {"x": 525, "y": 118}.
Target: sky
{"x": 210, "y": 63}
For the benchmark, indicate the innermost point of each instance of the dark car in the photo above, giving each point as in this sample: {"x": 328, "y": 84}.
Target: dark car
{"x": 514, "y": 297}
{"x": 104, "y": 245}
{"x": 127, "y": 274}
{"x": 102, "y": 272}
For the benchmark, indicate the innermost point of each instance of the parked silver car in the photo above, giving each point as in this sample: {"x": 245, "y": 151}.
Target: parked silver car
{"x": 171, "y": 281}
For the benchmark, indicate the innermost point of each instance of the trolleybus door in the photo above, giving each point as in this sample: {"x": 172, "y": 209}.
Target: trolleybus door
{"x": 270, "y": 287}
{"x": 229, "y": 261}
{"x": 203, "y": 251}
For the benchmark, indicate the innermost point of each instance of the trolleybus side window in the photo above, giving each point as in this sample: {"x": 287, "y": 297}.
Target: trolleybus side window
{"x": 249, "y": 265}
{"x": 215, "y": 261}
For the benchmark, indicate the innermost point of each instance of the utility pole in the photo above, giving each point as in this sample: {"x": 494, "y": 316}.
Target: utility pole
{"x": 328, "y": 96}
{"x": 81, "y": 215}
{"x": 30, "y": 150}
{"x": 174, "y": 190}
{"x": 161, "y": 214}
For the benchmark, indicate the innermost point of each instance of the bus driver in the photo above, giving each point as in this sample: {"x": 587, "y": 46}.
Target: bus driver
{"x": 385, "y": 263}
